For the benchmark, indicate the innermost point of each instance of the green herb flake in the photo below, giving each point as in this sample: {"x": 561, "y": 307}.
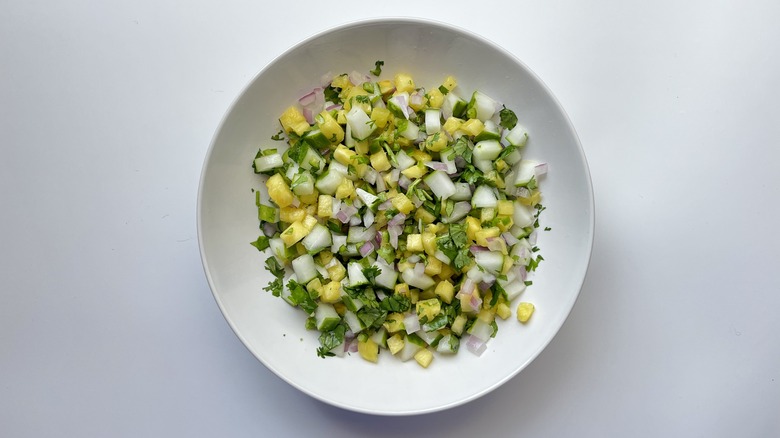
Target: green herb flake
{"x": 508, "y": 118}
{"x": 377, "y": 68}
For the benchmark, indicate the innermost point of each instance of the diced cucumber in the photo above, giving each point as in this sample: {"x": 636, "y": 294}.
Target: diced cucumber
{"x": 339, "y": 242}
{"x": 326, "y": 317}
{"x": 353, "y": 322}
{"x": 430, "y": 338}
{"x": 387, "y": 277}
{"x": 318, "y": 239}
{"x": 525, "y": 172}
{"x": 356, "y": 234}
{"x": 367, "y": 198}
{"x": 303, "y": 184}
{"x": 411, "y": 347}
{"x": 432, "y": 121}
{"x": 490, "y": 132}
{"x": 517, "y": 136}
{"x": 484, "y": 197}
{"x": 279, "y": 249}
{"x": 512, "y": 288}
{"x": 360, "y": 124}
{"x": 513, "y": 157}
{"x": 268, "y": 162}
{"x": 455, "y": 105}
{"x": 487, "y": 150}
{"x": 448, "y": 344}
{"x": 349, "y": 250}
{"x": 304, "y": 268}
{"x": 419, "y": 281}
{"x": 329, "y": 181}
{"x": 490, "y": 261}
{"x": 316, "y": 139}
{"x": 411, "y": 132}
{"x": 523, "y": 215}
{"x": 355, "y": 273}
{"x": 404, "y": 161}
{"x": 380, "y": 337}
{"x": 352, "y": 304}
{"x": 266, "y": 213}
{"x": 398, "y": 105}
{"x": 481, "y": 329}
{"x": 481, "y": 106}
{"x": 462, "y": 192}
{"x": 483, "y": 165}
{"x": 287, "y": 293}
{"x": 440, "y": 184}
{"x": 312, "y": 160}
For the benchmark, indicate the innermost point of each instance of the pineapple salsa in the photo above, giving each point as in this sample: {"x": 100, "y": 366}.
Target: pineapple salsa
{"x": 407, "y": 216}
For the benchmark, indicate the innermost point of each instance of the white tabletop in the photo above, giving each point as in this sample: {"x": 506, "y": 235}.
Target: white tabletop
{"x": 107, "y": 324}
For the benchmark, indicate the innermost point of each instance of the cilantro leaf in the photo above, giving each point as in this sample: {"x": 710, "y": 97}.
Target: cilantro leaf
{"x": 273, "y": 266}
{"x": 261, "y": 243}
{"x": 462, "y": 259}
{"x": 508, "y": 118}
{"x": 396, "y": 303}
{"x": 278, "y": 136}
{"x": 439, "y": 322}
{"x": 330, "y": 340}
{"x": 372, "y": 317}
{"x": 377, "y": 68}
{"x": 458, "y": 234}
{"x": 371, "y": 273}
{"x": 301, "y": 297}
{"x": 275, "y": 287}
{"x": 461, "y": 148}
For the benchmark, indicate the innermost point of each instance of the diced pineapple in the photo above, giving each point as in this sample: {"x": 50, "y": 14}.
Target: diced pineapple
{"x": 506, "y": 208}
{"x": 534, "y": 198}
{"x": 343, "y": 155}
{"x": 402, "y": 203}
{"x": 395, "y": 343}
{"x": 309, "y": 200}
{"x": 452, "y": 125}
{"x": 472, "y": 127}
{"x": 524, "y": 311}
{"x": 331, "y": 292}
{"x": 482, "y": 235}
{"x": 503, "y": 311}
{"x": 325, "y": 206}
{"x": 337, "y": 272}
{"x": 330, "y": 127}
{"x": 428, "y": 240}
{"x": 394, "y": 322}
{"x": 417, "y": 171}
{"x": 424, "y": 357}
{"x": 403, "y": 82}
{"x": 340, "y": 81}
{"x": 433, "y": 266}
{"x": 380, "y": 117}
{"x": 508, "y": 263}
{"x": 446, "y": 272}
{"x": 386, "y": 86}
{"x": 309, "y": 222}
{"x": 291, "y": 214}
{"x": 487, "y": 214}
{"x": 486, "y": 315}
{"x": 315, "y": 286}
{"x": 292, "y": 120}
{"x": 449, "y": 83}
{"x": 325, "y": 257}
{"x": 435, "y": 99}
{"x": 445, "y": 291}
{"x": 414, "y": 242}
{"x": 428, "y": 308}
{"x": 472, "y": 226}
{"x": 369, "y": 350}
{"x": 401, "y": 289}
{"x": 414, "y": 296}
{"x": 424, "y": 215}
{"x": 345, "y": 189}
{"x": 279, "y": 192}
{"x": 379, "y": 161}
{"x": 294, "y": 233}
{"x": 501, "y": 165}
{"x": 420, "y": 156}
{"x": 458, "y": 324}
{"x": 436, "y": 142}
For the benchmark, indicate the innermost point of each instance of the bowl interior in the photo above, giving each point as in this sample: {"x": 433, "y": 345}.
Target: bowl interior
{"x": 227, "y": 217}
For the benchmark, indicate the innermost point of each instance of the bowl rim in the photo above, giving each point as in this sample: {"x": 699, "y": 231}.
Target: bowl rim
{"x": 383, "y": 21}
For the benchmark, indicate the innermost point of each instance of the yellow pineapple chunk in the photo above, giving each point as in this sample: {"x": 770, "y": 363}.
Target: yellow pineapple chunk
{"x": 294, "y": 233}
{"x": 402, "y": 203}
{"x": 445, "y": 291}
{"x": 414, "y": 242}
{"x": 436, "y": 142}
{"x": 385, "y": 86}
{"x": 394, "y": 322}
{"x": 292, "y": 120}
{"x": 345, "y": 189}
{"x": 524, "y": 311}
{"x": 452, "y": 125}
{"x": 428, "y": 308}
{"x": 449, "y": 83}
{"x": 331, "y": 292}
{"x": 343, "y": 155}
{"x": 403, "y": 82}
{"x": 424, "y": 215}
{"x": 435, "y": 99}
{"x": 459, "y": 324}
{"x": 503, "y": 311}
{"x": 337, "y": 272}
{"x": 424, "y": 357}
{"x": 279, "y": 192}
{"x": 428, "y": 241}
{"x": 485, "y": 233}
{"x": 369, "y": 350}
{"x": 416, "y": 171}
{"x": 395, "y": 343}
{"x": 472, "y": 127}
{"x": 433, "y": 267}
{"x": 379, "y": 161}
{"x": 325, "y": 206}
{"x": 291, "y": 214}
{"x": 330, "y": 127}
{"x": 506, "y": 208}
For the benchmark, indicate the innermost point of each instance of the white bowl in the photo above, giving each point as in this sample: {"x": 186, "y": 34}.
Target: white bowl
{"x": 227, "y": 217}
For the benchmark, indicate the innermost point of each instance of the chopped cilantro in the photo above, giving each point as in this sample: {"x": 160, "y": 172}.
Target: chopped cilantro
{"x": 330, "y": 340}
{"x": 261, "y": 243}
{"x": 301, "y": 297}
{"x": 377, "y": 68}
{"x": 508, "y": 118}
{"x": 371, "y": 273}
{"x": 396, "y": 303}
{"x": 278, "y": 136}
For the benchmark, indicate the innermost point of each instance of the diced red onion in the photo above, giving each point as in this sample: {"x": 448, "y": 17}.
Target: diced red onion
{"x": 357, "y": 78}
{"x": 333, "y": 106}
{"x": 523, "y": 192}
{"x": 416, "y": 99}
{"x": 411, "y": 323}
{"x": 393, "y": 232}
{"x": 494, "y": 244}
{"x": 352, "y": 347}
{"x": 380, "y": 183}
{"x": 540, "y": 169}
{"x": 436, "y": 165}
{"x": 510, "y": 239}
{"x": 366, "y": 249}
{"x": 394, "y": 175}
{"x": 417, "y": 201}
{"x": 355, "y": 220}
{"x": 413, "y": 258}
{"x": 488, "y": 278}
{"x": 308, "y": 99}
{"x": 396, "y": 221}
{"x": 342, "y": 217}
{"x": 476, "y": 248}
{"x": 475, "y": 302}
{"x": 326, "y": 79}
{"x": 403, "y": 104}
{"x": 385, "y": 205}
{"x": 442, "y": 257}
{"x": 404, "y": 181}
{"x": 269, "y": 229}
{"x": 484, "y": 286}
{"x": 532, "y": 238}
{"x": 307, "y": 113}
{"x": 378, "y": 239}
{"x": 476, "y": 345}
{"x": 379, "y": 104}
{"x": 419, "y": 269}
{"x": 466, "y": 288}
{"x": 370, "y": 176}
